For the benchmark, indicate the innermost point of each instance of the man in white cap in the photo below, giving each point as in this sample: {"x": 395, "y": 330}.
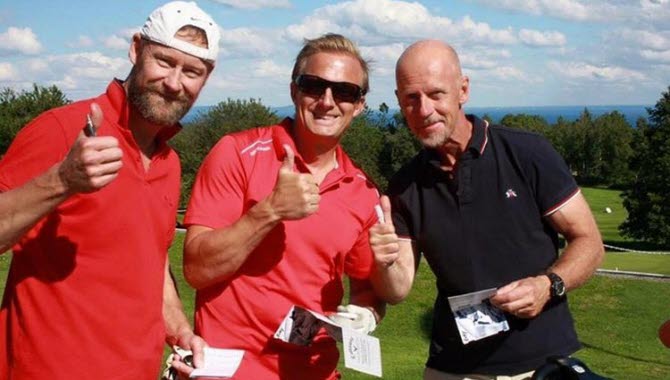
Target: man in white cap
{"x": 90, "y": 214}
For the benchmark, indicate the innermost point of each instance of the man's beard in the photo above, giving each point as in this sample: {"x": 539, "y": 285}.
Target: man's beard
{"x": 437, "y": 139}
{"x": 156, "y": 107}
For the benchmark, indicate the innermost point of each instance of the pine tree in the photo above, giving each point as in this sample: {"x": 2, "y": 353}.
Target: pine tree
{"x": 648, "y": 199}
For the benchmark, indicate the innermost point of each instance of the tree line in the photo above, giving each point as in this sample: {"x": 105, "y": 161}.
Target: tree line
{"x": 603, "y": 151}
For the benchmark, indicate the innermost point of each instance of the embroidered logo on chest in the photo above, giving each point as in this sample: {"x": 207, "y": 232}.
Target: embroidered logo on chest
{"x": 510, "y": 193}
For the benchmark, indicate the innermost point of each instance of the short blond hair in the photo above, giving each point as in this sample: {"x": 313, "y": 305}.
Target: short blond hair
{"x": 330, "y": 43}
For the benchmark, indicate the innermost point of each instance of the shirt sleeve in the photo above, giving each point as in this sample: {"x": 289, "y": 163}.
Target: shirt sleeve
{"x": 552, "y": 181}
{"x": 217, "y": 198}
{"x": 359, "y": 261}
{"x": 38, "y": 146}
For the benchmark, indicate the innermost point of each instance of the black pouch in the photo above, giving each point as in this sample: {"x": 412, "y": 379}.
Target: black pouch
{"x": 565, "y": 368}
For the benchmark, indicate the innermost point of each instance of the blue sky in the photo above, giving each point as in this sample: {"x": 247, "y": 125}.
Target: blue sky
{"x": 516, "y": 52}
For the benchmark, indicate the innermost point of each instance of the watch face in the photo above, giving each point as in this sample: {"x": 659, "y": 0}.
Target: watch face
{"x": 557, "y": 285}
{"x": 559, "y": 289}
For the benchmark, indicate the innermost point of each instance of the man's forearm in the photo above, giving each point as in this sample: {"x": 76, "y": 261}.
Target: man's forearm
{"x": 393, "y": 282}
{"x": 176, "y": 322}
{"x": 580, "y": 259}
{"x": 213, "y": 255}
{"x": 24, "y": 206}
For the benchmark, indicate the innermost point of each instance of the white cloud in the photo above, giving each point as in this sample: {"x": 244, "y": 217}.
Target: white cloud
{"x": 576, "y": 10}
{"x": 657, "y": 56}
{"x": 115, "y": 42}
{"x": 537, "y": 38}
{"x": 223, "y": 83}
{"x": 270, "y": 69}
{"x": 509, "y": 73}
{"x": 478, "y": 58}
{"x": 312, "y": 27}
{"x": 469, "y": 62}
{"x": 81, "y": 74}
{"x": 37, "y": 65}
{"x": 383, "y": 58}
{"x": 501, "y": 75}
{"x": 81, "y": 42}
{"x": 249, "y": 43}
{"x": 655, "y": 10}
{"x": 644, "y": 38}
{"x": 7, "y": 72}
{"x": 67, "y": 83}
{"x": 571, "y": 9}
{"x": 120, "y": 40}
{"x": 482, "y": 32}
{"x": 255, "y": 4}
{"x": 371, "y": 22}
{"x": 587, "y": 71}
{"x": 20, "y": 40}
{"x": 93, "y": 65}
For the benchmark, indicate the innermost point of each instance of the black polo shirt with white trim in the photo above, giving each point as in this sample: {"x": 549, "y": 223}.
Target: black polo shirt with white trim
{"x": 484, "y": 228}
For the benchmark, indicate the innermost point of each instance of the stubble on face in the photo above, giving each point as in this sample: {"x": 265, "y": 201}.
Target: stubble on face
{"x": 437, "y": 138}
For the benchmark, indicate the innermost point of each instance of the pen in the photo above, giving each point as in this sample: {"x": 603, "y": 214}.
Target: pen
{"x": 380, "y": 213}
{"x": 89, "y": 130}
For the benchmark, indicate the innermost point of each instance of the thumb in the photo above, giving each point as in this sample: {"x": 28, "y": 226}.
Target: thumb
{"x": 93, "y": 121}
{"x": 289, "y": 158}
{"x": 96, "y": 115}
{"x": 386, "y": 208}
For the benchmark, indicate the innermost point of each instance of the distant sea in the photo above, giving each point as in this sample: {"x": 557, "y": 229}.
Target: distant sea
{"x": 569, "y": 113}
{"x": 549, "y": 113}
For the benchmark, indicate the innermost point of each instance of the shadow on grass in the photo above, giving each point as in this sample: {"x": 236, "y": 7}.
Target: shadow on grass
{"x": 427, "y": 323}
{"x": 606, "y": 351}
{"x": 637, "y": 246}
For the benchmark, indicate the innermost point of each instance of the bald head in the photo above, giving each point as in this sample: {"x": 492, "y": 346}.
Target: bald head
{"x": 426, "y": 53}
{"x": 431, "y": 91}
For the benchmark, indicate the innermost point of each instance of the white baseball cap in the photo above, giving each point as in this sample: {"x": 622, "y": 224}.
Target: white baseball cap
{"x": 165, "y": 21}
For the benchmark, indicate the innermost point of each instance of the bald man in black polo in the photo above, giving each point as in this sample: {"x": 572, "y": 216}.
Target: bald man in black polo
{"x": 484, "y": 204}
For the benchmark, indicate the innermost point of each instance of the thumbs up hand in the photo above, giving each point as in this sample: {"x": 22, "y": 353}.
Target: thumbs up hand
{"x": 295, "y": 195}
{"x": 93, "y": 162}
{"x": 383, "y": 239}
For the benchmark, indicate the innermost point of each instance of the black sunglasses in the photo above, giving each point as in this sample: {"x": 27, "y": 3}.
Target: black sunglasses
{"x": 316, "y": 86}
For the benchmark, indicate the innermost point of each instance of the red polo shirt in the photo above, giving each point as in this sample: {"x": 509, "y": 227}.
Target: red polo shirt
{"x": 84, "y": 293}
{"x": 300, "y": 262}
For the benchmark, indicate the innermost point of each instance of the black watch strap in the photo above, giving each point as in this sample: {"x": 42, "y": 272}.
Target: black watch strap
{"x": 557, "y": 287}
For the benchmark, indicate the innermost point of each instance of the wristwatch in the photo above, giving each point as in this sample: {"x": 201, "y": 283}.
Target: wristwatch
{"x": 557, "y": 287}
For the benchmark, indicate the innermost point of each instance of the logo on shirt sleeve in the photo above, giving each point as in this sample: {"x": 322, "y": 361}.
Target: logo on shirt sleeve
{"x": 257, "y": 146}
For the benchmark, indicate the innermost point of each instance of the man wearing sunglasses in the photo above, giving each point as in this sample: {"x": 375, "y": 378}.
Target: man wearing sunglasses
{"x": 278, "y": 215}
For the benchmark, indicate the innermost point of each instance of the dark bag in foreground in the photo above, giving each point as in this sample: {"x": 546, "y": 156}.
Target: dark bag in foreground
{"x": 565, "y": 368}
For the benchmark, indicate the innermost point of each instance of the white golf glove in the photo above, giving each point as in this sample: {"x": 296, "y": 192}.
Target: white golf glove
{"x": 355, "y": 317}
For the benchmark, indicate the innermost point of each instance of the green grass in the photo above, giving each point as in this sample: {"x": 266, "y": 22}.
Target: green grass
{"x": 599, "y": 199}
{"x": 637, "y": 262}
{"x": 616, "y": 319}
